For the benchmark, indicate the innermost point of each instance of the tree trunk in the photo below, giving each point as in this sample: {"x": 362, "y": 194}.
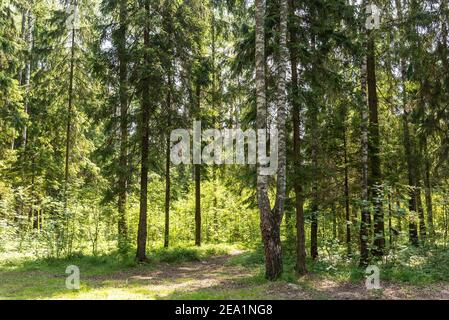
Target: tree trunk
{"x": 145, "y": 114}
{"x": 389, "y": 221}
{"x": 197, "y": 204}
{"x": 409, "y": 155}
{"x": 299, "y": 202}
{"x": 197, "y": 173}
{"x": 123, "y": 96}
{"x": 347, "y": 209}
{"x": 279, "y": 206}
{"x": 409, "y": 150}
{"x": 413, "y": 206}
{"x": 334, "y": 222}
{"x": 398, "y": 215}
{"x": 444, "y": 34}
{"x": 428, "y": 191}
{"x": 272, "y": 251}
{"x": 69, "y": 110}
{"x": 28, "y": 37}
{"x": 422, "y": 223}
{"x": 314, "y": 156}
{"x": 169, "y": 27}
{"x": 314, "y": 205}
{"x": 365, "y": 213}
{"x": 167, "y": 174}
{"x": 23, "y": 37}
{"x": 375, "y": 179}
{"x": 214, "y": 122}
{"x": 271, "y": 219}
{"x": 25, "y": 78}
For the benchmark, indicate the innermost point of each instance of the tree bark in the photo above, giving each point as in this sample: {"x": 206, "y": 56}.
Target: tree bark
{"x": 197, "y": 172}
{"x": 28, "y": 37}
{"x": 197, "y": 204}
{"x": 334, "y": 222}
{"x": 167, "y": 174}
{"x": 375, "y": 178}
{"x": 145, "y": 114}
{"x": 314, "y": 156}
{"x": 398, "y": 215}
{"x": 299, "y": 202}
{"x": 347, "y": 208}
{"x": 272, "y": 249}
{"x": 411, "y": 164}
{"x": 365, "y": 213}
{"x": 314, "y": 205}
{"x": 69, "y": 110}
{"x": 413, "y": 206}
{"x": 214, "y": 120}
{"x": 169, "y": 27}
{"x": 422, "y": 222}
{"x": 271, "y": 219}
{"x": 389, "y": 221}
{"x": 123, "y": 97}
{"x": 428, "y": 191}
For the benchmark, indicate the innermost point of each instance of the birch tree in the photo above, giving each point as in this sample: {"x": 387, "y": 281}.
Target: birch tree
{"x": 271, "y": 218}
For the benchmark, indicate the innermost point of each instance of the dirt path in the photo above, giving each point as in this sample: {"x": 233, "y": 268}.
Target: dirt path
{"x": 215, "y": 278}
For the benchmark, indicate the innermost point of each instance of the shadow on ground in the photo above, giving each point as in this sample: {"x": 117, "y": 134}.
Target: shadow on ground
{"x": 181, "y": 274}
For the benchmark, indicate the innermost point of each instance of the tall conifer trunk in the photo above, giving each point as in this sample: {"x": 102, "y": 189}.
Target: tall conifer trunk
{"x": 375, "y": 177}
{"x": 144, "y": 132}
{"x": 197, "y": 177}
{"x": 296, "y": 112}
{"x": 123, "y": 99}
{"x": 365, "y": 213}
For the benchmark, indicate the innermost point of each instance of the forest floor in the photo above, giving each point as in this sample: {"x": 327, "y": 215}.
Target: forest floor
{"x": 222, "y": 274}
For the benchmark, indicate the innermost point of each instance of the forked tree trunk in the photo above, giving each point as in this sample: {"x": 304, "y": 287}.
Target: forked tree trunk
{"x": 271, "y": 219}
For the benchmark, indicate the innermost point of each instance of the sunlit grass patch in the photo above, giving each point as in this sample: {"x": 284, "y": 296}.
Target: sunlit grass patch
{"x": 192, "y": 253}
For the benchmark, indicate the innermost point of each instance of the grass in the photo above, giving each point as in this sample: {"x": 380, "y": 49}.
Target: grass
{"x": 190, "y": 273}
{"x": 417, "y": 266}
{"x": 23, "y": 277}
{"x": 182, "y": 254}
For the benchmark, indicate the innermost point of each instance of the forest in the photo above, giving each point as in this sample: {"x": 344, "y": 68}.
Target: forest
{"x": 350, "y": 103}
